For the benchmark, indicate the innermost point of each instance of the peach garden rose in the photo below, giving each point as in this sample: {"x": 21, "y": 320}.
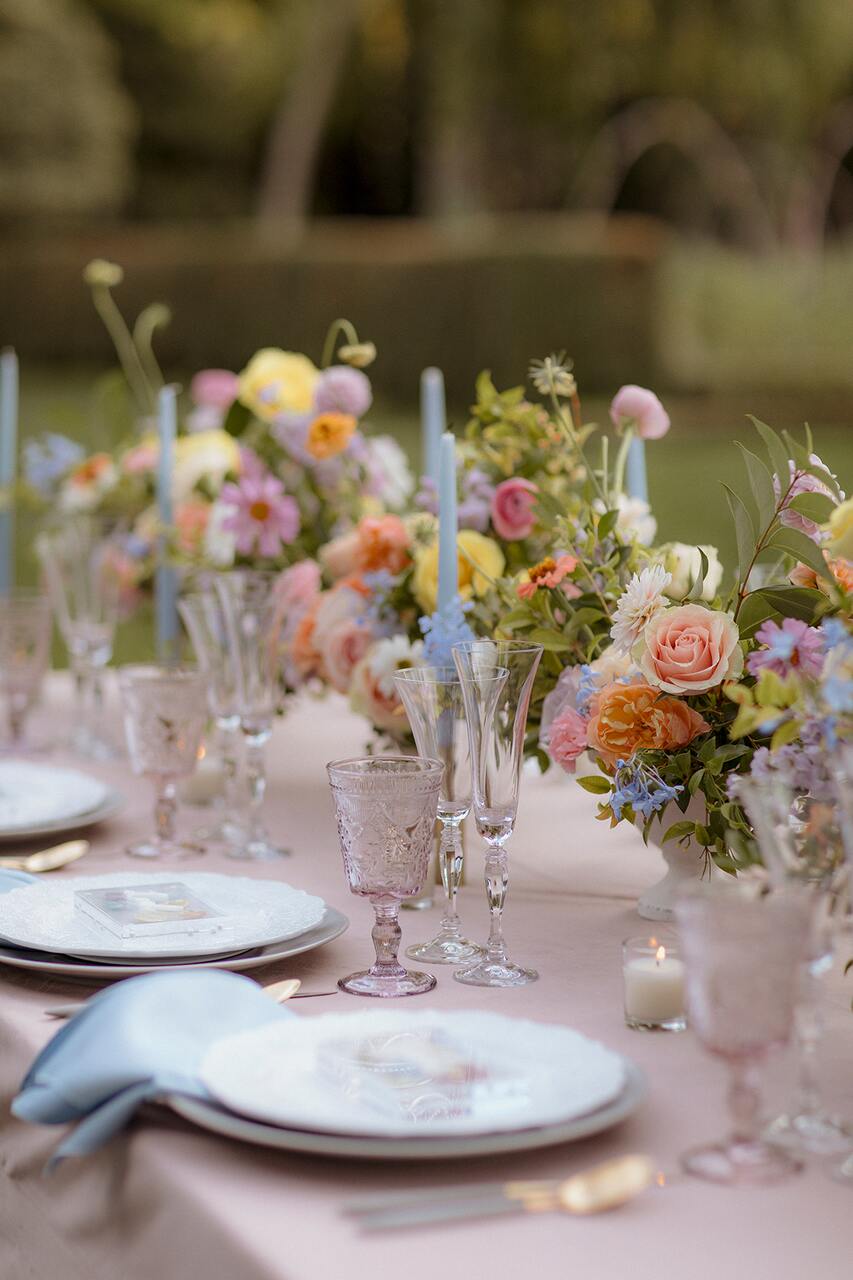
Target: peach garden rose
{"x": 629, "y": 717}
{"x": 688, "y": 649}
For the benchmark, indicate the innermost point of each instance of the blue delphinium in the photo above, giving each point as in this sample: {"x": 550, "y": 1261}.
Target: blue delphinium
{"x": 640, "y": 786}
{"x": 442, "y": 630}
{"x": 47, "y": 459}
{"x": 379, "y": 616}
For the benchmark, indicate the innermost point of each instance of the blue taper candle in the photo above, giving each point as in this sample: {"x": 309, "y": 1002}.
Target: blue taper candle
{"x": 166, "y": 585}
{"x": 635, "y": 477}
{"x": 8, "y": 464}
{"x": 448, "y": 561}
{"x": 433, "y": 420}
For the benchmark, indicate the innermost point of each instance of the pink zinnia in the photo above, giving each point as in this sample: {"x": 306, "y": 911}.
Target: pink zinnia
{"x": 262, "y": 517}
{"x": 793, "y": 646}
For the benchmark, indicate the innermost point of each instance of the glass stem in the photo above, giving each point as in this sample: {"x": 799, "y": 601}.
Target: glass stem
{"x": 165, "y": 808}
{"x": 497, "y": 879}
{"x": 450, "y": 862}
{"x": 17, "y": 716}
{"x": 744, "y": 1102}
{"x": 386, "y": 934}
{"x": 809, "y": 1028}
{"x": 229, "y": 744}
{"x": 256, "y": 781}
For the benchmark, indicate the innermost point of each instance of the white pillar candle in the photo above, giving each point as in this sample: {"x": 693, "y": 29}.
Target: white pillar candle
{"x": 433, "y": 418}
{"x": 448, "y": 556}
{"x": 654, "y": 985}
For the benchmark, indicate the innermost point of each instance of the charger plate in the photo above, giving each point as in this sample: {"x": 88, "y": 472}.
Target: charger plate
{"x": 227, "y": 1124}
{"x": 332, "y": 925}
{"x": 111, "y": 803}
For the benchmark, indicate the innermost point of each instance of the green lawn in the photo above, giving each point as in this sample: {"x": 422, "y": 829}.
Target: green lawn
{"x": 685, "y": 468}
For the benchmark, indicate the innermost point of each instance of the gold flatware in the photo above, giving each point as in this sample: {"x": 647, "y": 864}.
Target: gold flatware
{"x": 286, "y": 989}
{"x": 605, "y": 1186}
{"x": 59, "y": 855}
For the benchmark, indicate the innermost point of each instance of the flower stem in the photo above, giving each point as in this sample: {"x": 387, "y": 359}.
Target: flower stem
{"x": 764, "y": 538}
{"x": 336, "y": 329}
{"x": 126, "y": 351}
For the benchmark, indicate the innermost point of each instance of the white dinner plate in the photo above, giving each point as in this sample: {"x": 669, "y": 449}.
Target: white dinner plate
{"x": 42, "y": 916}
{"x": 210, "y": 1116}
{"x": 109, "y": 805}
{"x": 332, "y": 925}
{"x": 400, "y": 1073}
{"x": 32, "y": 794}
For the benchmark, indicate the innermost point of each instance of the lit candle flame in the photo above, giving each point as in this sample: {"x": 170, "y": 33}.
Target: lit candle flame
{"x": 661, "y": 1179}
{"x": 653, "y": 942}
{"x": 660, "y": 954}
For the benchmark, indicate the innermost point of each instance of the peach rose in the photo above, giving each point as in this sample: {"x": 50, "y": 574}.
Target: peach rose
{"x": 304, "y": 655}
{"x": 191, "y": 519}
{"x": 340, "y": 556}
{"x": 367, "y": 699}
{"x": 629, "y": 717}
{"x": 383, "y": 543}
{"x": 688, "y": 649}
{"x": 842, "y": 571}
{"x": 344, "y": 645}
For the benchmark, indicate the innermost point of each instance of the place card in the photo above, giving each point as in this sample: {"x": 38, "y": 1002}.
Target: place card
{"x": 149, "y": 910}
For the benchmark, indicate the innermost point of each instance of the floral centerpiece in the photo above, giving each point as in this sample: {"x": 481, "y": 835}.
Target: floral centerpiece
{"x": 269, "y": 464}
{"x": 646, "y": 658}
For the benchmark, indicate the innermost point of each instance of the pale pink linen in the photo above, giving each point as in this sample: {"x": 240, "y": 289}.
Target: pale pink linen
{"x": 168, "y": 1202}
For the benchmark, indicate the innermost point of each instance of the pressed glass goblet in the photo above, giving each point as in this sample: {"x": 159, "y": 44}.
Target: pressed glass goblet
{"x": 25, "y": 624}
{"x": 801, "y": 846}
{"x": 433, "y": 700}
{"x": 743, "y": 958}
{"x": 252, "y": 625}
{"x": 386, "y": 808}
{"x": 497, "y": 682}
{"x": 205, "y": 624}
{"x": 165, "y": 711}
{"x": 84, "y": 588}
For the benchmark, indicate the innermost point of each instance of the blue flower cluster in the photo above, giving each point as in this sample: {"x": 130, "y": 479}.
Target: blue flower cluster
{"x": 379, "y": 615}
{"x": 47, "y": 459}
{"x": 442, "y": 630}
{"x": 640, "y": 786}
{"x": 836, "y": 684}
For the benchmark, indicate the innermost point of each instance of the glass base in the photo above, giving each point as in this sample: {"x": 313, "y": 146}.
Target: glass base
{"x": 445, "y": 950}
{"x": 495, "y": 973}
{"x": 741, "y": 1163}
{"x": 422, "y": 902}
{"x": 668, "y": 1024}
{"x": 155, "y": 848}
{"x": 256, "y": 851}
{"x": 407, "y": 983}
{"x": 843, "y": 1172}
{"x": 812, "y": 1135}
{"x": 90, "y": 746}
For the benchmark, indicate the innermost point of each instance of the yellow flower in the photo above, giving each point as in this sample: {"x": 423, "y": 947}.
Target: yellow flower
{"x": 841, "y": 531}
{"x": 358, "y": 354}
{"x": 204, "y": 455}
{"x": 330, "y": 433}
{"x": 276, "y": 382}
{"x": 480, "y": 562}
{"x": 103, "y": 273}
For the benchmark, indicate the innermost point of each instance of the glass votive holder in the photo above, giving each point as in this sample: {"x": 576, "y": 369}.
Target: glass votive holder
{"x": 653, "y": 978}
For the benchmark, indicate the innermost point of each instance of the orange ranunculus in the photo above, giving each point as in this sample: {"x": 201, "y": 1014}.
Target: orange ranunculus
{"x": 842, "y": 572}
{"x": 628, "y": 717}
{"x": 383, "y": 543}
{"x": 304, "y": 656}
{"x": 329, "y": 434}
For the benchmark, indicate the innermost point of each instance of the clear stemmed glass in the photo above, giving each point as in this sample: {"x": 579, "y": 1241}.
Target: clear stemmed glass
{"x": 205, "y": 624}
{"x": 842, "y": 774}
{"x": 84, "y": 589}
{"x": 433, "y": 700}
{"x": 743, "y": 958}
{"x": 165, "y": 711}
{"x": 497, "y": 682}
{"x": 252, "y": 624}
{"x": 25, "y": 624}
{"x": 386, "y": 808}
{"x": 801, "y": 846}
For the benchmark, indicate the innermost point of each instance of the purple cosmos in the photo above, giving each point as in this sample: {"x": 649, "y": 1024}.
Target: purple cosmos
{"x": 792, "y": 647}
{"x": 342, "y": 389}
{"x": 262, "y": 517}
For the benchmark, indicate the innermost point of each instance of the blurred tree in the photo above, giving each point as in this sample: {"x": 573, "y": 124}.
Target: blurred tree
{"x": 66, "y": 123}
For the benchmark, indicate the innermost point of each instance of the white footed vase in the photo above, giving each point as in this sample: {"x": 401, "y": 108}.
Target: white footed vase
{"x": 685, "y": 864}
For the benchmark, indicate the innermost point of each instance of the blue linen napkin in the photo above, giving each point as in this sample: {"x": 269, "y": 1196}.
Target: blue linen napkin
{"x": 14, "y": 879}
{"x": 133, "y": 1042}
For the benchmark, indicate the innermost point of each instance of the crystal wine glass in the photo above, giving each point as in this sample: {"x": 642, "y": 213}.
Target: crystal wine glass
{"x": 252, "y": 624}
{"x": 801, "y": 846}
{"x": 743, "y": 958}
{"x": 497, "y": 682}
{"x": 165, "y": 710}
{"x": 433, "y": 700}
{"x": 842, "y": 773}
{"x": 84, "y": 589}
{"x": 386, "y": 808}
{"x": 205, "y": 624}
{"x": 25, "y": 624}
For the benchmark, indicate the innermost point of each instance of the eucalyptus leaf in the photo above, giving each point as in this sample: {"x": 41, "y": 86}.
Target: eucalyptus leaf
{"x": 744, "y": 529}
{"x": 695, "y": 592}
{"x": 814, "y": 506}
{"x": 761, "y": 484}
{"x": 797, "y": 544}
{"x": 793, "y": 602}
{"x": 775, "y": 448}
{"x": 593, "y": 783}
{"x": 607, "y": 523}
{"x": 678, "y": 831}
{"x": 551, "y": 640}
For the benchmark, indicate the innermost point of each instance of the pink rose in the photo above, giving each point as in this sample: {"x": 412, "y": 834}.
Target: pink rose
{"x": 512, "y": 509}
{"x": 297, "y": 588}
{"x": 688, "y": 649}
{"x": 636, "y": 407}
{"x": 344, "y": 645}
{"x": 215, "y": 388}
{"x": 340, "y": 557}
{"x": 141, "y": 458}
{"x": 567, "y": 739}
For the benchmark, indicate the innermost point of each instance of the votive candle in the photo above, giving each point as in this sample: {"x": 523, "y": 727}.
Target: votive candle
{"x": 653, "y": 975}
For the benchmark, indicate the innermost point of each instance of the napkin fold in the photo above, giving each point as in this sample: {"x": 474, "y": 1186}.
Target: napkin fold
{"x": 135, "y": 1041}
{"x": 14, "y": 879}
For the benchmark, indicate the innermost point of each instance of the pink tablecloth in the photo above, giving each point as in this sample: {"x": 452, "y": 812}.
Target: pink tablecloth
{"x": 169, "y": 1202}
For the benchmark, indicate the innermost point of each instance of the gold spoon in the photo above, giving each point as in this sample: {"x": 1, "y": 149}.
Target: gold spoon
{"x": 60, "y": 855}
